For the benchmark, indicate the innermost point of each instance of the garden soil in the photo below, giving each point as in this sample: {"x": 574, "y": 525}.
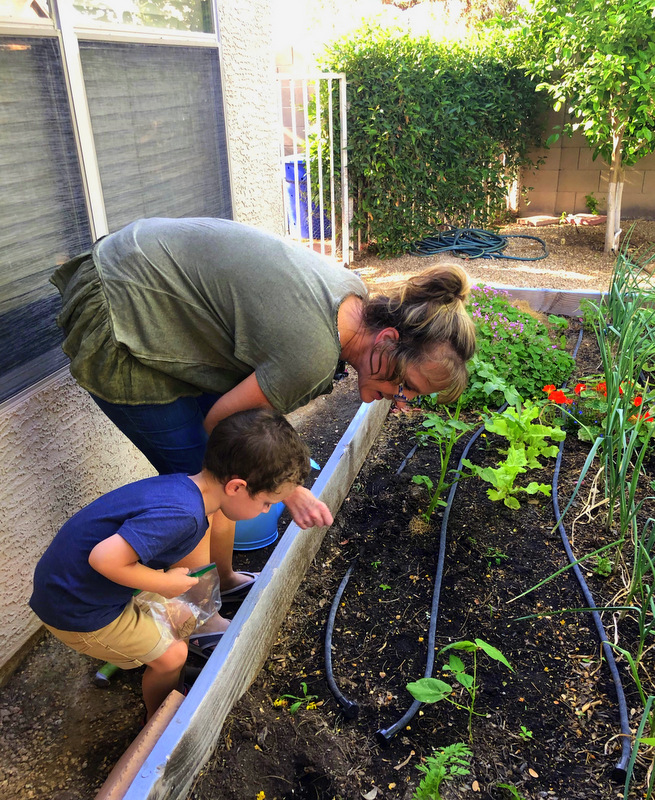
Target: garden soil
{"x": 549, "y": 727}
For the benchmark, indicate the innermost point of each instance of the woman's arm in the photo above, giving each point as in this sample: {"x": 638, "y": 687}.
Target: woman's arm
{"x": 117, "y": 560}
{"x": 246, "y": 394}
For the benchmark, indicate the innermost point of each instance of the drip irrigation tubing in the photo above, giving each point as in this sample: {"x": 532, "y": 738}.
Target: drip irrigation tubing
{"x": 349, "y": 708}
{"x": 384, "y": 735}
{"x": 620, "y": 770}
{"x": 471, "y": 243}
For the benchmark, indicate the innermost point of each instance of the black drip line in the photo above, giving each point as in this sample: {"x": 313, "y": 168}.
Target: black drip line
{"x": 620, "y": 770}
{"x": 384, "y": 736}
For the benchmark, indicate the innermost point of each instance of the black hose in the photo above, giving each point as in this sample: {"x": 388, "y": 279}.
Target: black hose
{"x": 385, "y": 735}
{"x": 349, "y": 707}
{"x": 620, "y": 770}
{"x": 473, "y": 243}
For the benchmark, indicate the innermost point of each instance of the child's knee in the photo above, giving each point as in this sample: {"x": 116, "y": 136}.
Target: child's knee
{"x": 174, "y": 658}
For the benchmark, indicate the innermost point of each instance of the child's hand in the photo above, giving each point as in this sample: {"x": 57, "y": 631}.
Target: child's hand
{"x": 177, "y": 582}
{"x": 307, "y": 511}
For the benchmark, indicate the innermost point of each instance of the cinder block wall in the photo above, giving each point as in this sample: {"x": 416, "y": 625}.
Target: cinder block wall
{"x": 569, "y": 173}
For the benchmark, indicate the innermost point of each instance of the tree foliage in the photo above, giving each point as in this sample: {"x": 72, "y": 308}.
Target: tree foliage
{"x": 436, "y": 132}
{"x": 595, "y": 57}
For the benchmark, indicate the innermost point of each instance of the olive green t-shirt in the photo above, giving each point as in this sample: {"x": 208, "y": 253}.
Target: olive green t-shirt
{"x": 208, "y": 301}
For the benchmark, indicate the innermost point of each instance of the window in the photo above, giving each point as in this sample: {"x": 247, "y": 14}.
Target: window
{"x": 191, "y": 15}
{"x": 148, "y": 119}
{"x": 44, "y": 218}
{"x": 159, "y": 133}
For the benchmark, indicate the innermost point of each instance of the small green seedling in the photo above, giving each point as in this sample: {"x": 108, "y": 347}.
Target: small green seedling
{"x": 306, "y": 698}
{"x": 603, "y": 567}
{"x": 432, "y": 690}
{"x": 512, "y": 790}
{"x": 443, "y": 765}
{"x": 495, "y": 556}
{"x": 525, "y": 734}
{"x": 384, "y": 586}
{"x": 375, "y": 564}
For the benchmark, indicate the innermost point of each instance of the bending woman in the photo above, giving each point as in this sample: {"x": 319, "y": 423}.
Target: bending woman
{"x": 173, "y": 324}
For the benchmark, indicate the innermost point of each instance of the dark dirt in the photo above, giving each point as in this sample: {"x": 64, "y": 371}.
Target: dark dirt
{"x": 60, "y": 735}
{"x": 549, "y": 728}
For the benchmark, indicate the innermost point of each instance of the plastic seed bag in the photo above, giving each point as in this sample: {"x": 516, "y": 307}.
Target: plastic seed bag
{"x": 179, "y": 617}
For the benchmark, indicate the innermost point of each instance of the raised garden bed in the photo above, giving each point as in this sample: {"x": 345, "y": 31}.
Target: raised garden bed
{"x": 550, "y": 728}
{"x": 316, "y": 753}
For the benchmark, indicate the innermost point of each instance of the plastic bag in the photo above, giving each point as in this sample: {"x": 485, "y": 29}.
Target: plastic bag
{"x": 179, "y": 617}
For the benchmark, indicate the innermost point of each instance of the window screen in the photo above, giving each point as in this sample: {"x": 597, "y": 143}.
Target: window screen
{"x": 159, "y": 131}
{"x": 42, "y": 210}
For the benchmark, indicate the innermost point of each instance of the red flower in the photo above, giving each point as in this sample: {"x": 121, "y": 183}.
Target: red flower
{"x": 580, "y": 388}
{"x": 638, "y": 401}
{"x": 601, "y": 387}
{"x": 548, "y": 389}
{"x": 558, "y": 396}
{"x": 646, "y": 417}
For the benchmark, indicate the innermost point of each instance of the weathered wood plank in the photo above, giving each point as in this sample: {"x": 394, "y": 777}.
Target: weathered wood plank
{"x": 187, "y": 742}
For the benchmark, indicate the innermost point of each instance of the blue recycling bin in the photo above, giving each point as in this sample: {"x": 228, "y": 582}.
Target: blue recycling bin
{"x": 295, "y": 177}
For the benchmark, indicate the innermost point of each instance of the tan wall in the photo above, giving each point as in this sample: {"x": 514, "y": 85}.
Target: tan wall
{"x": 57, "y": 450}
{"x": 569, "y": 173}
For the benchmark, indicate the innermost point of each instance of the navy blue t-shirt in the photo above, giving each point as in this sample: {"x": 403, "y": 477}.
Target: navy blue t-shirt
{"x": 161, "y": 518}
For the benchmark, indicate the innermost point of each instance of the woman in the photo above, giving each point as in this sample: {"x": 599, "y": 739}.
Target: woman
{"x": 174, "y": 324}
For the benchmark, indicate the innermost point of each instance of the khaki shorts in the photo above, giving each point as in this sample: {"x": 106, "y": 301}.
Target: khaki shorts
{"x": 131, "y": 640}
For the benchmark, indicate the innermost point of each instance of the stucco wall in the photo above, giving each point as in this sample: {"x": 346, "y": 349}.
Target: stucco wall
{"x": 569, "y": 173}
{"x": 57, "y": 450}
{"x": 251, "y": 97}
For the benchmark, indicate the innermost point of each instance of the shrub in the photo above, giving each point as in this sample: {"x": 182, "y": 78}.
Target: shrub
{"x": 436, "y": 132}
{"x": 519, "y": 347}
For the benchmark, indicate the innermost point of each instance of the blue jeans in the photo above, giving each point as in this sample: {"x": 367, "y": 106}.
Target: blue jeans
{"x": 170, "y": 436}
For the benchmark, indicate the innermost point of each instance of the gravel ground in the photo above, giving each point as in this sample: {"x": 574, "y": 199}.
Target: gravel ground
{"x": 575, "y": 259}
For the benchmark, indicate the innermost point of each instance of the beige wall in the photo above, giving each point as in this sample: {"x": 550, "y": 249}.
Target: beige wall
{"x": 569, "y": 173}
{"x": 57, "y": 450}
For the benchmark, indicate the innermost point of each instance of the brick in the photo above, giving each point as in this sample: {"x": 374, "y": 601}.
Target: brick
{"x": 564, "y": 201}
{"x": 585, "y": 161}
{"x": 542, "y": 180}
{"x": 633, "y": 181}
{"x": 569, "y": 159}
{"x": 581, "y": 204}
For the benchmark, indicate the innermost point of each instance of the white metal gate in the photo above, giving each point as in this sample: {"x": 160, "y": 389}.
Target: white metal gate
{"x": 314, "y": 162}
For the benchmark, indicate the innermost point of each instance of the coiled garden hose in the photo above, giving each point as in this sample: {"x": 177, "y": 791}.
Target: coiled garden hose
{"x": 473, "y": 243}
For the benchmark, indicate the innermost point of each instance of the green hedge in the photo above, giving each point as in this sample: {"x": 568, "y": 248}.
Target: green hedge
{"x": 436, "y": 131}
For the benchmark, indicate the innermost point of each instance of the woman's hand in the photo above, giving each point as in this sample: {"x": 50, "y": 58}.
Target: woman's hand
{"x": 306, "y": 510}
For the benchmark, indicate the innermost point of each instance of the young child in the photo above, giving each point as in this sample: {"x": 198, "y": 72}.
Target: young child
{"x": 129, "y": 539}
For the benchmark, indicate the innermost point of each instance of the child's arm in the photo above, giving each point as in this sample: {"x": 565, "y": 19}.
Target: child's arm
{"x": 117, "y": 560}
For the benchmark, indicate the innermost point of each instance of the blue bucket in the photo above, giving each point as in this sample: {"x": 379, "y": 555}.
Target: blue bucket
{"x": 260, "y": 531}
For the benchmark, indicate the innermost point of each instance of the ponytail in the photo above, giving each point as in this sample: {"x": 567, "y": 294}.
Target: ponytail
{"x": 429, "y": 313}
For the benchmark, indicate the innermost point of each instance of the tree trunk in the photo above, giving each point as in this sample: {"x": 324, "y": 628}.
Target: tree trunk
{"x": 614, "y": 196}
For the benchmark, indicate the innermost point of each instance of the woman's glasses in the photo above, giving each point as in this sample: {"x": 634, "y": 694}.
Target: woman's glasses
{"x": 401, "y": 394}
